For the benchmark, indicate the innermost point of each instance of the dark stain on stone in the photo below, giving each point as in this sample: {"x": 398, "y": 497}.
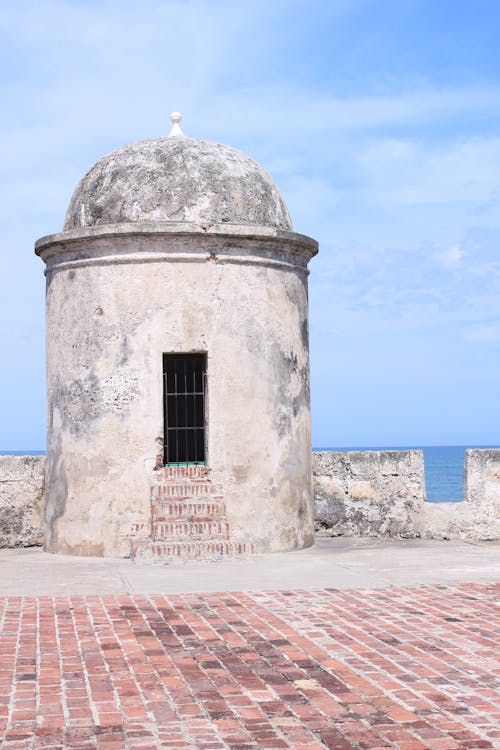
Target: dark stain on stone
{"x": 56, "y": 489}
{"x": 86, "y": 399}
{"x": 125, "y": 351}
{"x": 304, "y": 330}
{"x": 11, "y": 522}
{"x": 329, "y": 512}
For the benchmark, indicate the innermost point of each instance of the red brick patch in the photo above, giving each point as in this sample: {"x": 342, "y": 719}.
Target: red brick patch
{"x": 188, "y": 520}
{"x": 400, "y": 669}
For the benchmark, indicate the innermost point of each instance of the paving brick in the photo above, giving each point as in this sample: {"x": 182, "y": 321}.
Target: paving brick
{"x": 398, "y": 669}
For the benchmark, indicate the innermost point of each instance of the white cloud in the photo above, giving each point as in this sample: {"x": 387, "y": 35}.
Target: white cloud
{"x": 452, "y": 257}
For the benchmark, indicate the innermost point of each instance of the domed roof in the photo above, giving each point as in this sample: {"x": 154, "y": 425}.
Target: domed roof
{"x": 177, "y": 179}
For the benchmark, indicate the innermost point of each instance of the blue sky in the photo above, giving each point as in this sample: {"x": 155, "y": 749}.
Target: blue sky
{"x": 378, "y": 119}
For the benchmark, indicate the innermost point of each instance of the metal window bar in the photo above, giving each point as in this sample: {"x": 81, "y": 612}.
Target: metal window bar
{"x": 184, "y": 386}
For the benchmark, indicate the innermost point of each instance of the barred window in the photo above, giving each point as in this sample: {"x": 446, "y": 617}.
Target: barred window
{"x": 184, "y": 387}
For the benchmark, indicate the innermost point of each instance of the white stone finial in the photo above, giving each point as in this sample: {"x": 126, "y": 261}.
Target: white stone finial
{"x": 175, "y": 119}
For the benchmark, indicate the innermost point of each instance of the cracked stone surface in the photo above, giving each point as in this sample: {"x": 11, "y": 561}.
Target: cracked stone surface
{"x": 178, "y": 180}
{"x": 21, "y": 500}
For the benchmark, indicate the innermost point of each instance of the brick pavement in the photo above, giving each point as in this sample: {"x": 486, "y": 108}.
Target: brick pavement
{"x": 401, "y": 668}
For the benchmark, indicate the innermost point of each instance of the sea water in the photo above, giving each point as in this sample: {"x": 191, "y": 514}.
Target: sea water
{"x": 444, "y": 473}
{"x": 444, "y": 469}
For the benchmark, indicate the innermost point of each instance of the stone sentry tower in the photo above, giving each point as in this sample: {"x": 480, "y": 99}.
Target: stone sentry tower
{"x": 177, "y": 358}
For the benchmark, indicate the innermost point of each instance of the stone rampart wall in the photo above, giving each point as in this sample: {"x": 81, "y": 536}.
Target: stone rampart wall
{"x": 369, "y": 493}
{"x": 357, "y": 493}
{"x": 478, "y": 516}
{"x": 21, "y": 500}
{"x": 382, "y": 494}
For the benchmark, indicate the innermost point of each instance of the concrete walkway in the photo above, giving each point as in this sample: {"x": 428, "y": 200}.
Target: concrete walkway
{"x": 332, "y": 563}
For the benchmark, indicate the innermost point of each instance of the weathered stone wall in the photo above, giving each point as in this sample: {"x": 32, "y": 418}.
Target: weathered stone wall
{"x": 21, "y": 499}
{"x": 382, "y": 493}
{"x": 482, "y": 490}
{"x": 118, "y": 297}
{"x": 368, "y": 493}
{"x": 478, "y": 516}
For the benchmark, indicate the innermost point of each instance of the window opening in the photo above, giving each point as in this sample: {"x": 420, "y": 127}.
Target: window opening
{"x": 184, "y": 386}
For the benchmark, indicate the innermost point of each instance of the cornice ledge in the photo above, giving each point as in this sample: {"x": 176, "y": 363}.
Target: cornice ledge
{"x": 175, "y": 230}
